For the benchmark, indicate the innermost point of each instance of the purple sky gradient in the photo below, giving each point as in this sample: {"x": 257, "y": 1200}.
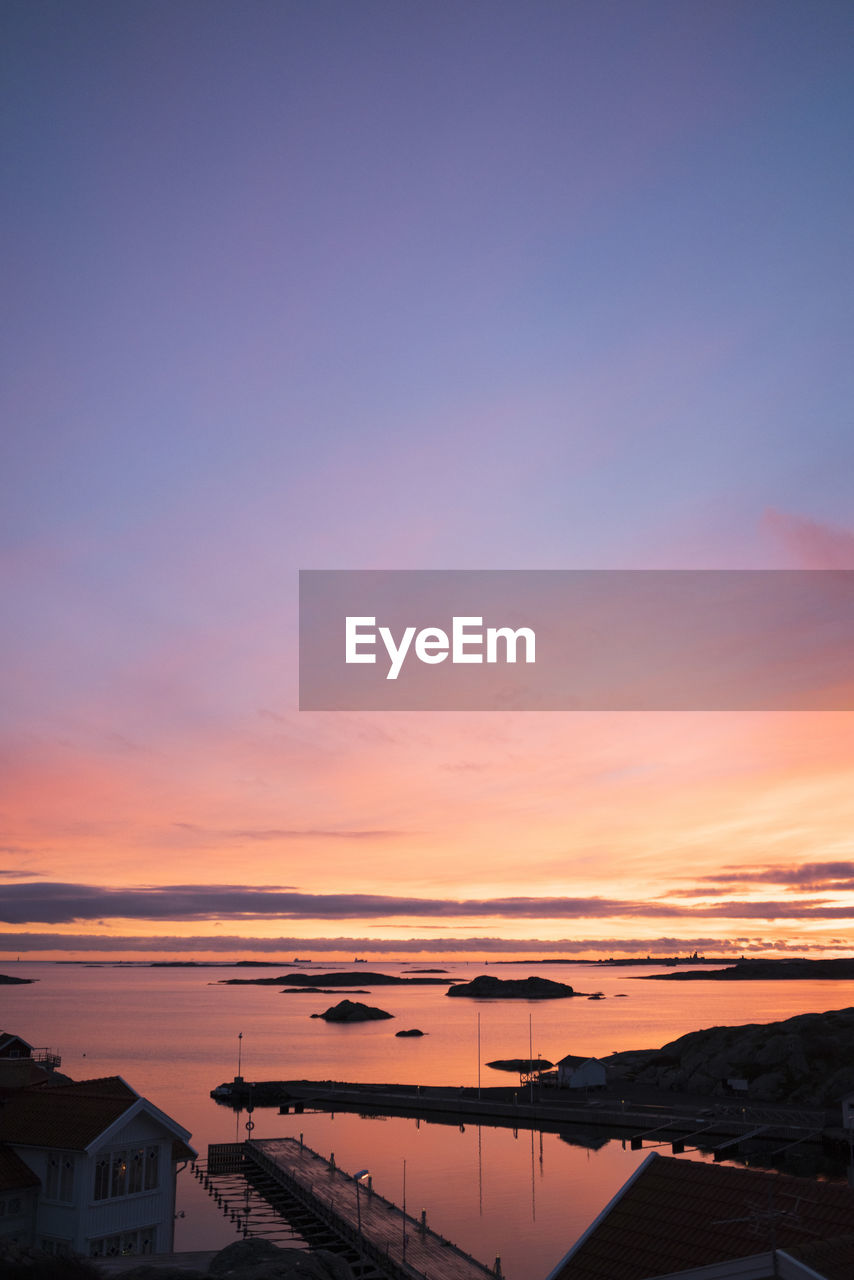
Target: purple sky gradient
{"x": 453, "y": 285}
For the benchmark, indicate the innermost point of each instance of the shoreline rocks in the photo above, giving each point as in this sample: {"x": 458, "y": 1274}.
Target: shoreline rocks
{"x": 807, "y": 1059}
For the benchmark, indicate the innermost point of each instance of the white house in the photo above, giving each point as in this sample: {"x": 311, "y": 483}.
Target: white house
{"x": 574, "y": 1072}
{"x": 14, "y": 1048}
{"x": 21, "y": 1065}
{"x": 89, "y": 1167}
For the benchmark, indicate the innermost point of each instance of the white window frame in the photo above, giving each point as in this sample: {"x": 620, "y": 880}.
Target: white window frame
{"x": 126, "y": 1171}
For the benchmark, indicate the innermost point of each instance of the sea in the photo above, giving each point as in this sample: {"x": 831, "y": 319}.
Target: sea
{"x": 174, "y": 1033}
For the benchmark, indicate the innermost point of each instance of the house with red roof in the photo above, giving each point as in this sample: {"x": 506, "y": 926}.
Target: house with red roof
{"x": 89, "y": 1167}
{"x": 690, "y": 1220}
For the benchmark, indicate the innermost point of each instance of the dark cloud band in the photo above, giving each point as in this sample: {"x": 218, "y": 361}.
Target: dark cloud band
{"x": 59, "y": 903}
{"x": 288, "y": 947}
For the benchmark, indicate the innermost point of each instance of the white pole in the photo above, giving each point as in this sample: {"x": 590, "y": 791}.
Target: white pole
{"x": 478, "y": 1055}
{"x": 531, "y": 1055}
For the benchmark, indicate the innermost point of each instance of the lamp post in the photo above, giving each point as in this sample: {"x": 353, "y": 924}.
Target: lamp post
{"x": 404, "y": 1211}
{"x": 357, "y": 1178}
{"x": 239, "y": 1054}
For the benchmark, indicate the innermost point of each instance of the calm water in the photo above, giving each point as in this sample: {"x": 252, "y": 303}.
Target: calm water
{"x": 173, "y": 1035}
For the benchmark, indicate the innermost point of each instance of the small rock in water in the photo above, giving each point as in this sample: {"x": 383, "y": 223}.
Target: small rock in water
{"x": 352, "y": 1011}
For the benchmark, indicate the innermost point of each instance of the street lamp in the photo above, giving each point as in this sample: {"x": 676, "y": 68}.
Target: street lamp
{"x": 357, "y": 1178}
{"x": 405, "y": 1211}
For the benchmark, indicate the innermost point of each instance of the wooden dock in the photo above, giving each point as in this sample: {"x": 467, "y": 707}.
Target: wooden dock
{"x": 399, "y": 1245}
{"x": 546, "y": 1109}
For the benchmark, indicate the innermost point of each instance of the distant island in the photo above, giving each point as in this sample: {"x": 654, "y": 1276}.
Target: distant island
{"x": 347, "y": 979}
{"x": 486, "y": 987}
{"x": 762, "y": 971}
{"x": 611, "y": 962}
{"x": 322, "y": 991}
{"x": 4, "y": 978}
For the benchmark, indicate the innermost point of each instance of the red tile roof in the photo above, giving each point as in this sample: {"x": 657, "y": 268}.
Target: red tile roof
{"x": 676, "y": 1214}
{"x": 70, "y": 1116}
{"x": 833, "y": 1259}
{"x": 14, "y": 1174}
{"x": 101, "y": 1087}
{"x": 20, "y": 1073}
{"x": 58, "y": 1118}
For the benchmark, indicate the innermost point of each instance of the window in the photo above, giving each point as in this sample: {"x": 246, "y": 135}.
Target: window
{"x": 129, "y": 1243}
{"x": 56, "y": 1248}
{"x": 126, "y": 1171}
{"x": 136, "y": 1170}
{"x": 102, "y": 1178}
{"x": 106, "y": 1247}
{"x": 119, "y": 1173}
{"x": 59, "y": 1177}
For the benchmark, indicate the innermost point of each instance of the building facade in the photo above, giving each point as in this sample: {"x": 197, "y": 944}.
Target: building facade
{"x": 89, "y": 1168}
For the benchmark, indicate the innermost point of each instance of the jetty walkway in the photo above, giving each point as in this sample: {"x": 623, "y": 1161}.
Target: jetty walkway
{"x": 631, "y": 1113}
{"x": 375, "y": 1229}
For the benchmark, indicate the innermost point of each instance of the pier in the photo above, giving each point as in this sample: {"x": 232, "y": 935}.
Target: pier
{"x": 384, "y": 1240}
{"x": 629, "y": 1113}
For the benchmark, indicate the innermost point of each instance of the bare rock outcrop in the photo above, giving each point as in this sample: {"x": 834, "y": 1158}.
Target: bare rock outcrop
{"x": 352, "y": 1011}
{"x": 808, "y": 1059}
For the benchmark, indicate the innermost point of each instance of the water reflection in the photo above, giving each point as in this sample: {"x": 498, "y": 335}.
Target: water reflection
{"x": 477, "y": 1184}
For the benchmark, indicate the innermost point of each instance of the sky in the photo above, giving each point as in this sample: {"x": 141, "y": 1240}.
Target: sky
{"x": 380, "y": 285}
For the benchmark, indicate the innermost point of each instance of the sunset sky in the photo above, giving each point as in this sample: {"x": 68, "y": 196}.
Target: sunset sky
{"x": 364, "y": 284}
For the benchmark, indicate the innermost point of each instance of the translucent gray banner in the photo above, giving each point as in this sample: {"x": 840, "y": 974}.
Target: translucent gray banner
{"x": 576, "y": 640}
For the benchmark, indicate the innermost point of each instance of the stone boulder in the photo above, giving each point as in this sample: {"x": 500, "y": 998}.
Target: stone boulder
{"x": 262, "y": 1260}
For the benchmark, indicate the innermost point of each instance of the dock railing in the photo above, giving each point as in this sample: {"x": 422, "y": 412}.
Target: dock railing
{"x": 232, "y": 1157}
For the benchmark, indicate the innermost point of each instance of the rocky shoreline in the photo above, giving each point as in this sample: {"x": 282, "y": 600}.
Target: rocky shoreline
{"x": 808, "y": 1060}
